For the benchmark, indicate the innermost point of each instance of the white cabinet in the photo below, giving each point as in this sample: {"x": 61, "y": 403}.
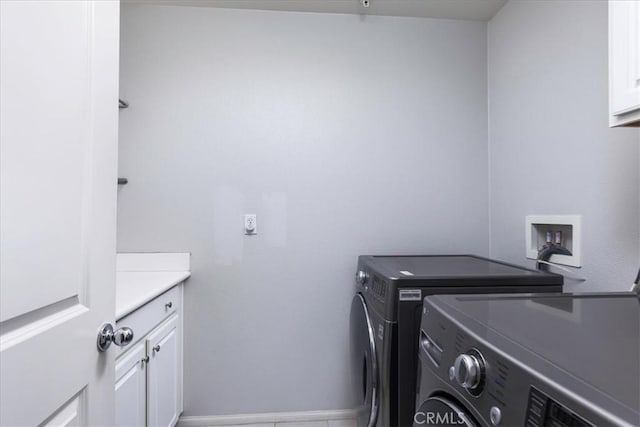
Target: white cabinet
{"x": 162, "y": 375}
{"x": 149, "y": 372}
{"x": 624, "y": 62}
{"x": 131, "y": 387}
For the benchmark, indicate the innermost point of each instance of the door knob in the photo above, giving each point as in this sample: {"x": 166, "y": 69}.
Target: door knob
{"x": 120, "y": 337}
{"x": 123, "y": 336}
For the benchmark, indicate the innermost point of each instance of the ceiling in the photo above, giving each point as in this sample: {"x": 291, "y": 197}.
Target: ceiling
{"x": 481, "y": 10}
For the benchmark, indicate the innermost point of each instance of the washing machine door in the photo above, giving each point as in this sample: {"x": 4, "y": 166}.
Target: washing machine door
{"x": 441, "y": 411}
{"x": 364, "y": 363}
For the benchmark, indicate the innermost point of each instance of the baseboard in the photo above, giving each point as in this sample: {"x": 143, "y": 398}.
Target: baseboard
{"x": 274, "y": 417}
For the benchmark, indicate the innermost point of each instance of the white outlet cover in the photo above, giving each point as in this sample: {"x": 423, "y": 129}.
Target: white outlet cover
{"x": 574, "y": 221}
{"x": 250, "y": 224}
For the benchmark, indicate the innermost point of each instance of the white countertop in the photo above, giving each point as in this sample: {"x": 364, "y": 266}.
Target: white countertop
{"x": 136, "y": 288}
{"x": 145, "y": 277}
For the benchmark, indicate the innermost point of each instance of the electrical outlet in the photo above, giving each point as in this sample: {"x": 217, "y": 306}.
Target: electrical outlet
{"x": 250, "y": 224}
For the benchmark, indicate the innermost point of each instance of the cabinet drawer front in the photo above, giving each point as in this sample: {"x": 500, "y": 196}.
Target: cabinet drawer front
{"x": 147, "y": 317}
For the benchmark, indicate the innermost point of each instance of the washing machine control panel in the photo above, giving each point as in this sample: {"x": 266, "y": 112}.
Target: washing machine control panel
{"x": 542, "y": 410}
{"x": 372, "y": 283}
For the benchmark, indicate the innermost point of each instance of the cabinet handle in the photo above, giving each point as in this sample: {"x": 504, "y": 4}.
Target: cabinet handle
{"x": 168, "y": 305}
{"x": 145, "y": 360}
{"x": 156, "y": 349}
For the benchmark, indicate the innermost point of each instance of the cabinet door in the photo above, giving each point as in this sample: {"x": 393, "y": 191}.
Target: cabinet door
{"x": 131, "y": 385}
{"x": 163, "y": 374}
{"x": 624, "y": 56}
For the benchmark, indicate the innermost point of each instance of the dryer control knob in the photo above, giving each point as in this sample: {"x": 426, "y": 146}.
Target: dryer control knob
{"x": 361, "y": 277}
{"x": 468, "y": 371}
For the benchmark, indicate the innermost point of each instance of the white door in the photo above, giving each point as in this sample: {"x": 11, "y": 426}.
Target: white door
{"x": 58, "y": 159}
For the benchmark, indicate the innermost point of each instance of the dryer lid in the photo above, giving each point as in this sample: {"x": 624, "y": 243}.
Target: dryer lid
{"x": 467, "y": 270}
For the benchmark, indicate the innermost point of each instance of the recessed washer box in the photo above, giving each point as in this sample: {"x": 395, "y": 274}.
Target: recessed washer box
{"x": 536, "y": 236}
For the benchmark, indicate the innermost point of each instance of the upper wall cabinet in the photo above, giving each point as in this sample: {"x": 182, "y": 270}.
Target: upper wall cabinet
{"x": 624, "y": 62}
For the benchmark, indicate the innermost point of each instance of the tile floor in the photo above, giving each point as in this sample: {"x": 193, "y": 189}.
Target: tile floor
{"x": 330, "y": 423}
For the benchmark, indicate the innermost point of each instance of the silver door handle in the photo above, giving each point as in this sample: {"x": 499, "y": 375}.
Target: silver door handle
{"x": 106, "y": 336}
{"x": 156, "y": 348}
{"x": 123, "y": 336}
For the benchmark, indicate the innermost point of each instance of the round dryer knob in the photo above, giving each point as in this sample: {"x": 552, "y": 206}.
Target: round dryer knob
{"x": 361, "y": 277}
{"x": 468, "y": 371}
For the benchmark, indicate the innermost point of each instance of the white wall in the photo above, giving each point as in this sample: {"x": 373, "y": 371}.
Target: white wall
{"x": 347, "y": 135}
{"x": 551, "y": 150}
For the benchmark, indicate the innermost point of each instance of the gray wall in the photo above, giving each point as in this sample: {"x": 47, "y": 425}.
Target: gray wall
{"x": 550, "y": 148}
{"x": 346, "y": 135}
